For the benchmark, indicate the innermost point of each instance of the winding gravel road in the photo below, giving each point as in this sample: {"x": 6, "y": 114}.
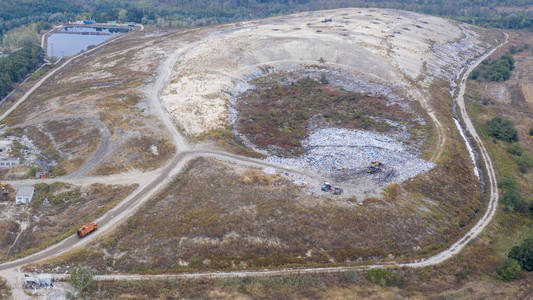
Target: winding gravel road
{"x": 444, "y": 255}
{"x": 150, "y": 185}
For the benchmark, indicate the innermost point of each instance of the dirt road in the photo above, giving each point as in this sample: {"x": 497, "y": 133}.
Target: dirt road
{"x": 454, "y": 249}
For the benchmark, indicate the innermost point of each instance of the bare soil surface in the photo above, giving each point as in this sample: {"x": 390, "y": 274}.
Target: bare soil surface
{"x": 399, "y": 49}
{"x": 85, "y": 118}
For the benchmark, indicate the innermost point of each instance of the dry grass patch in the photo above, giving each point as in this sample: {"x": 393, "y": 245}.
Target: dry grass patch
{"x": 56, "y": 212}
{"x": 348, "y": 285}
{"x": 278, "y": 115}
{"x": 215, "y": 217}
{"x": 144, "y": 153}
{"x": 64, "y": 144}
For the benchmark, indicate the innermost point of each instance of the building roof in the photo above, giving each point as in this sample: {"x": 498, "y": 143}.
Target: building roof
{"x": 25, "y": 191}
{"x": 10, "y": 159}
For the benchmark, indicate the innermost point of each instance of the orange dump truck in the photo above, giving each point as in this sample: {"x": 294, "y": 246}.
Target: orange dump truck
{"x": 86, "y": 229}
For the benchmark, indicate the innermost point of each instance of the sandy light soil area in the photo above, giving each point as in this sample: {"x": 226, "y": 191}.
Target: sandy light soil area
{"x": 398, "y": 48}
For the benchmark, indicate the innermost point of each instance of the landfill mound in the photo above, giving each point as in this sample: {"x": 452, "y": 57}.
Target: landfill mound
{"x": 386, "y": 47}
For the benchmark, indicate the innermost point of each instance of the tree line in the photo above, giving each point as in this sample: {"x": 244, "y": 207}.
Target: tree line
{"x": 15, "y": 13}
{"x": 17, "y": 65}
{"x": 170, "y": 13}
{"x": 203, "y": 12}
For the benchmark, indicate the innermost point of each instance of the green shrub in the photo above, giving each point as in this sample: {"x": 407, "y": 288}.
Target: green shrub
{"x": 515, "y": 149}
{"x": 509, "y": 270}
{"x": 531, "y": 131}
{"x": 82, "y": 279}
{"x": 513, "y": 201}
{"x": 323, "y": 78}
{"x": 495, "y": 70}
{"x": 464, "y": 273}
{"x": 502, "y": 129}
{"x": 525, "y": 161}
{"x": 507, "y": 183}
{"x": 385, "y": 277}
{"x": 523, "y": 254}
{"x": 351, "y": 276}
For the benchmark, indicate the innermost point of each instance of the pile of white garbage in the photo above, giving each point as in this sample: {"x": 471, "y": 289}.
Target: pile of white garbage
{"x": 343, "y": 156}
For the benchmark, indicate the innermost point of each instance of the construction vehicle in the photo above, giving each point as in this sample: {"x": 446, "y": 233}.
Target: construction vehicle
{"x": 337, "y": 191}
{"x": 374, "y": 167}
{"x": 326, "y": 187}
{"x": 86, "y": 229}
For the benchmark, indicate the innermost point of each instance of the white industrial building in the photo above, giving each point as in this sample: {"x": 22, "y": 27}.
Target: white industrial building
{"x": 9, "y": 162}
{"x": 24, "y": 195}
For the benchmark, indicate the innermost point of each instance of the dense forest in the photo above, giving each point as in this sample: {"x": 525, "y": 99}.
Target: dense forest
{"x": 494, "y": 13}
{"x": 14, "y": 67}
{"x": 14, "y": 13}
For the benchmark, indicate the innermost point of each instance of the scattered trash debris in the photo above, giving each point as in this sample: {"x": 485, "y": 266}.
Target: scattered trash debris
{"x": 41, "y": 281}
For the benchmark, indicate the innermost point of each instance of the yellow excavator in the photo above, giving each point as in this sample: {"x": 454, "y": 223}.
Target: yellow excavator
{"x": 374, "y": 167}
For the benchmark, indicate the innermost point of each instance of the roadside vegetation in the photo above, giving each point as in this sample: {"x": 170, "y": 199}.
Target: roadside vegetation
{"x": 385, "y": 277}
{"x": 495, "y": 70}
{"x": 82, "y": 279}
{"x": 418, "y": 284}
{"x": 503, "y": 122}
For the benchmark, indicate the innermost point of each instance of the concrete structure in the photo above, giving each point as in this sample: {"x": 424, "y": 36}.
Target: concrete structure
{"x": 24, "y": 195}
{"x": 9, "y": 162}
